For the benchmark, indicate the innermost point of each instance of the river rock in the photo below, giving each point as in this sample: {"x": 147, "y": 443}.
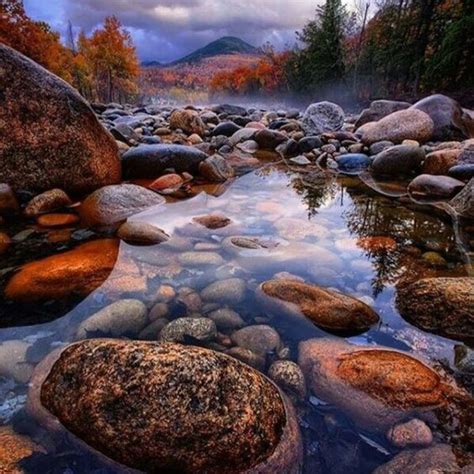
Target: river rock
{"x": 226, "y": 319}
{"x": 229, "y": 109}
{"x": 197, "y": 259}
{"x": 379, "y": 109}
{"x": 439, "y": 162}
{"x": 427, "y": 185}
{"x": 213, "y": 221}
{"x": 353, "y": 163}
{"x": 411, "y": 433}
{"x": 462, "y": 172}
{"x": 149, "y": 161}
{"x": 434, "y": 460}
{"x": 260, "y": 339}
{"x": 113, "y": 204}
{"x": 47, "y": 202}
{"x": 187, "y": 402}
{"x": 329, "y": 310}
{"x": 14, "y": 361}
{"x": 225, "y": 128}
{"x": 13, "y": 449}
{"x": 69, "y": 149}
{"x": 444, "y": 305}
{"x": 230, "y": 291}
{"x": 8, "y": 201}
{"x": 463, "y": 203}
{"x": 289, "y": 377}
{"x": 269, "y": 139}
{"x": 247, "y": 357}
{"x": 141, "y": 233}
{"x": 120, "y": 319}
{"x": 76, "y": 272}
{"x": 171, "y": 182}
{"x": 188, "y": 121}
{"x": 323, "y": 117}
{"x": 450, "y": 121}
{"x": 57, "y": 220}
{"x": 216, "y": 169}
{"x": 398, "y": 160}
{"x": 200, "y": 329}
{"x": 5, "y": 242}
{"x": 410, "y": 124}
{"x": 376, "y": 387}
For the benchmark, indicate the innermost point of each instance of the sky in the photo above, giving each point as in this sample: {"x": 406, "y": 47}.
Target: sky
{"x": 165, "y": 30}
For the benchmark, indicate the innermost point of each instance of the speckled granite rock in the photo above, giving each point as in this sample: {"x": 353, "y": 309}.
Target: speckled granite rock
{"x": 327, "y": 309}
{"x": 13, "y": 449}
{"x": 166, "y": 408}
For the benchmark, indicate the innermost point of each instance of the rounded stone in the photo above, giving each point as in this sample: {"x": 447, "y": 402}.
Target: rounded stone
{"x": 198, "y": 410}
{"x": 329, "y": 310}
{"x": 57, "y": 220}
{"x": 141, "y": 233}
{"x": 226, "y": 319}
{"x": 230, "y": 291}
{"x": 398, "y": 160}
{"x": 411, "y": 433}
{"x": 213, "y": 221}
{"x": 113, "y": 204}
{"x": 197, "y": 259}
{"x": 8, "y": 202}
{"x": 122, "y": 318}
{"x": 216, "y": 169}
{"x": 323, "y": 117}
{"x": 353, "y": 163}
{"x": 188, "y": 121}
{"x": 260, "y": 339}
{"x": 439, "y": 162}
{"x": 247, "y": 357}
{"x": 201, "y": 329}
{"x": 444, "y": 305}
{"x": 432, "y": 187}
{"x": 289, "y": 377}
{"x": 47, "y": 202}
{"x": 167, "y": 182}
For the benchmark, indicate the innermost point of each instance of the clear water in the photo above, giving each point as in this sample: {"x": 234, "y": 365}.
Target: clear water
{"x": 312, "y": 228}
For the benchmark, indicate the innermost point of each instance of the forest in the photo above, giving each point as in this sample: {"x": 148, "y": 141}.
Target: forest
{"x": 388, "y": 48}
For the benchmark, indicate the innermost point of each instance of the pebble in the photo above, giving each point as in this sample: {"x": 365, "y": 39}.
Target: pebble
{"x": 289, "y": 377}
{"x": 412, "y": 433}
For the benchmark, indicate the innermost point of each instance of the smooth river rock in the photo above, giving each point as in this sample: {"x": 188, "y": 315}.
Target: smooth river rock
{"x": 323, "y": 117}
{"x": 398, "y": 160}
{"x": 166, "y": 408}
{"x": 53, "y": 138}
{"x": 429, "y": 186}
{"x": 329, "y": 310}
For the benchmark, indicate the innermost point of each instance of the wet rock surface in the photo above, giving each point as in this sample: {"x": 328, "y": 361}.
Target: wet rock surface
{"x": 225, "y": 416}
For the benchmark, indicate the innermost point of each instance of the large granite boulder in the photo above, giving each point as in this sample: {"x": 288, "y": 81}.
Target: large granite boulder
{"x": 379, "y": 109}
{"x": 50, "y": 137}
{"x": 150, "y": 161}
{"x": 166, "y": 408}
{"x": 450, "y": 121}
{"x": 323, "y": 117}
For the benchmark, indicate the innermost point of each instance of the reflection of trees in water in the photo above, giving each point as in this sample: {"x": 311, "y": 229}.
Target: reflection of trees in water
{"x": 374, "y": 216}
{"x": 315, "y": 189}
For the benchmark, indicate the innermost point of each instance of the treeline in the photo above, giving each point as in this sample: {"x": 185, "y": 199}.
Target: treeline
{"x": 395, "y": 48}
{"x": 103, "y": 66}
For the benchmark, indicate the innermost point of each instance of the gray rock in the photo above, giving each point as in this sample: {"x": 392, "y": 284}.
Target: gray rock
{"x": 398, "y": 160}
{"x": 464, "y": 359}
{"x": 226, "y": 319}
{"x": 201, "y": 329}
{"x": 323, "y": 117}
{"x": 141, "y": 233}
{"x": 13, "y": 361}
{"x": 231, "y": 291}
{"x": 248, "y": 357}
{"x": 378, "y": 147}
{"x": 379, "y": 109}
{"x": 197, "y": 259}
{"x": 430, "y": 186}
{"x": 260, "y": 339}
{"x": 216, "y": 169}
{"x": 122, "y": 318}
{"x": 289, "y": 377}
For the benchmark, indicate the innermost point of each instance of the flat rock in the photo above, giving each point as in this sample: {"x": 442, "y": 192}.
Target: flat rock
{"x": 53, "y": 138}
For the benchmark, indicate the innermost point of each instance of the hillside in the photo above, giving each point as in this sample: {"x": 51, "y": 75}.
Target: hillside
{"x": 221, "y": 47}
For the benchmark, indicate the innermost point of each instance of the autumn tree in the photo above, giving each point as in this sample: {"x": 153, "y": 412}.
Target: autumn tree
{"x": 109, "y": 61}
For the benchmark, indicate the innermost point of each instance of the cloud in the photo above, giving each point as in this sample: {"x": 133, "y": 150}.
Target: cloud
{"x": 167, "y": 29}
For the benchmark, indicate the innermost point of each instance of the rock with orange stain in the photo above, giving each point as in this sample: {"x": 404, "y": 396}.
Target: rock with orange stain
{"x": 13, "y": 449}
{"x": 439, "y": 162}
{"x": 47, "y": 202}
{"x": 57, "y": 220}
{"x": 5, "y": 242}
{"x": 168, "y": 181}
{"x": 76, "y": 272}
{"x": 377, "y": 244}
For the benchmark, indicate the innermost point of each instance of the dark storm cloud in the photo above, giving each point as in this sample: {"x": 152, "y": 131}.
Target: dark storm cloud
{"x": 167, "y": 29}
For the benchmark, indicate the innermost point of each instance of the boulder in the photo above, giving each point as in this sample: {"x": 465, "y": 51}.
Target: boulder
{"x": 329, "y": 310}
{"x": 379, "y": 109}
{"x": 188, "y": 121}
{"x": 76, "y": 272}
{"x": 53, "y": 138}
{"x": 198, "y": 410}
{"x": 439, "y": 162}
{"x": 441, "y": 305}
{"x": 323, "y": 117}
{"x": 150, "y": 161}
{"x": 398, "y": 160}
{"x": 410, "y": 124}
{"x": 375, "y": 386}
{"x": 435, "y": 187}
{"x": 463, "y": 203}
{"x": 450, "y": 121}
{"x": 113, "y": 204}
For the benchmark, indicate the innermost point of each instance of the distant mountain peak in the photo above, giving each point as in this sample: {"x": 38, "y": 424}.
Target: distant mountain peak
{"x": 224, "y": 45}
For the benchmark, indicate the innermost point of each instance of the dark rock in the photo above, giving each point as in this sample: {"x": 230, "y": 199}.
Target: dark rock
{"x": 398, "y": 160}
{"x": 353, "y": 163}
{"x": 427, "y": 185}
{"x": 47, "y": 202}
{"x": 289, "y": 149}
{"x": 463, "y": 203}
{"x": 150, "y": 161}
{"x": 8, "y": 202}
{"x": 308, "y": 144}
{"x": 442, "y": 305}
{"x": 186, "y": 402}
{"x": 69, "y": 148}
{"x": 462, "y": 172}
{"x": 450, "y": 121}
{"x": 229, "y": 109}
{"x": 379, "y": 147}
{"x": 125, "y": 134}
{"x": 269, "y": 139}
{"x": 225, "y": 128}
{"x": 379, "y": 109}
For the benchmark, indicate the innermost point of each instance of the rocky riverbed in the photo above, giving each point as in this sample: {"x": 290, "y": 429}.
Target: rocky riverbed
{"x": 225, "y": 289}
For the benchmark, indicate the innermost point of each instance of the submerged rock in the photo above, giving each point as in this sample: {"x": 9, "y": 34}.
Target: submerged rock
{"x": 200, "y": 329}
{"x": 353, "y": 163}
{"x": 429, "y": 186}
{"x": 289, "y": 377}
{"x": 141, "y": 233}
{"x": 411, "y": 433}
{"x": 230, "y": 291}
{"x": 323, "y": 117}
{"x": 198, "y": 410}
{"x": 410, "y": 124}
{"x": 113, "y": 204}
{"x": 398, "y": 160}
{"x": 150, "y": 161}
{"x": 76, "y": 272}
{"x": 213, "y": 221}
{"x": 376, "y": 387}
{"x": 13, "y": 449}
{"x": 260, "y": 339}
{"x": 444, "y": 305}
{"x": 53, "y": 138}
{"x": 463, "y": 203}
{"x": 329, "y": 310}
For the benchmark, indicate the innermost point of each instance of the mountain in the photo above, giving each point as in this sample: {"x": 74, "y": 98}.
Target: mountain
{"x": 223, "y": 46}
{"x": 151, "y": 64}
